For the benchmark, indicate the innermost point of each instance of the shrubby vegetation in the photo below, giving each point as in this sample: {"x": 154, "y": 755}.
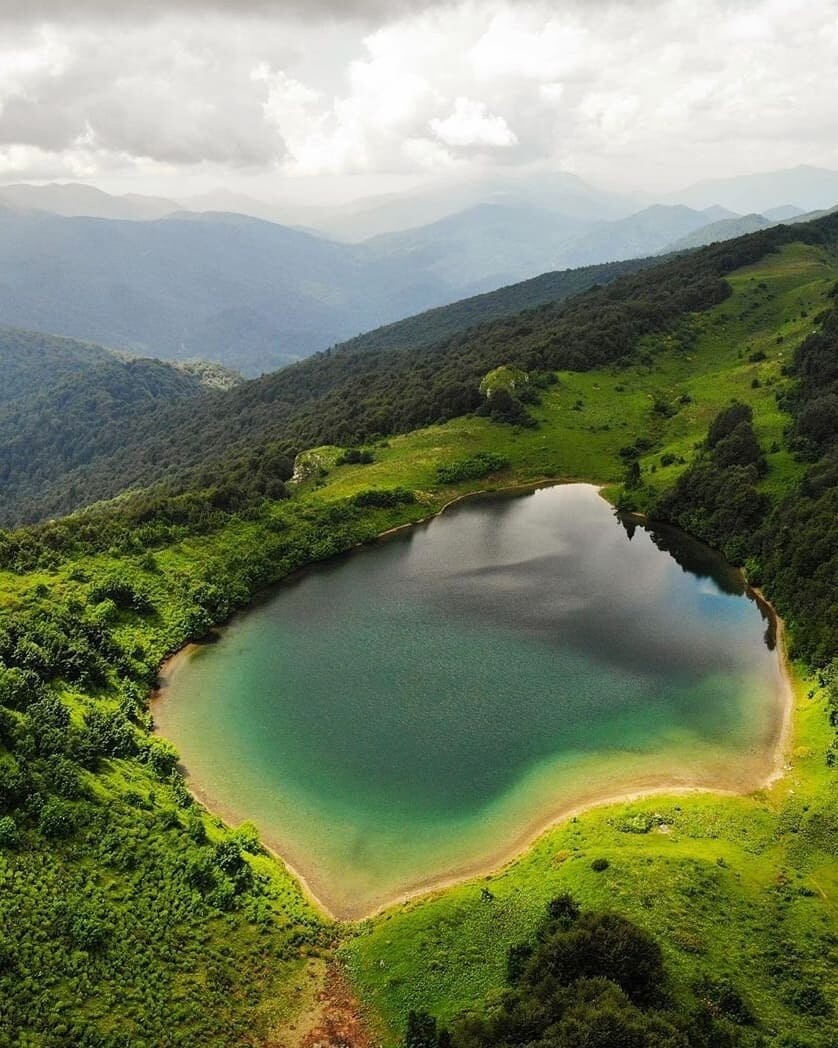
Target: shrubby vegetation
{"x": 126, "y": 915}
{"x": 790, "y": 545}
{"x": 588, "y": 980}
{"x": 60, "y": 398}
{"x": 472, "y": 468}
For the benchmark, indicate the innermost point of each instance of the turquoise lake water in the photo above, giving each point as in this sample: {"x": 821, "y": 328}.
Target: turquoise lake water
{"x": 421, "y": 708}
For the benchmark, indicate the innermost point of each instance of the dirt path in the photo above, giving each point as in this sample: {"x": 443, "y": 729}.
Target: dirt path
{"x": 337, "y": 1020}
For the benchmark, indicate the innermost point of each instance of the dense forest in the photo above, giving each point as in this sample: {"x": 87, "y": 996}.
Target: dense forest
{"x": 346, "y": 397}
{"x": 436, "y": 325}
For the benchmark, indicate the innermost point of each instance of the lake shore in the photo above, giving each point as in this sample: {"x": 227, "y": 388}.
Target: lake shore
{"x": 632, "y": 789}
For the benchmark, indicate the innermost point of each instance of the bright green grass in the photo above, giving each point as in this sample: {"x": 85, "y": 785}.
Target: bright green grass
{"x": 588, "y": 417}
{"x": 732, "y": 883}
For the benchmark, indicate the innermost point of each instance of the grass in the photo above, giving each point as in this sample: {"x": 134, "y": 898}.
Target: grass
{"x": 588, "y": 417}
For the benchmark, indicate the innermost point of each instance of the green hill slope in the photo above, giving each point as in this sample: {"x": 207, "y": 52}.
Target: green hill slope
{"x": 348, "y": 397}
{"x": 58, "y": 396}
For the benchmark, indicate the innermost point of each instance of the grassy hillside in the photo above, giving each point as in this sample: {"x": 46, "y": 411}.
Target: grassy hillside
{"x": 170, "y": 930}
{"x": 348, "y": 397}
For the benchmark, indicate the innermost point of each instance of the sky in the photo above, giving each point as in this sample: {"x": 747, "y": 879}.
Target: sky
{"x": 319, "y": 101}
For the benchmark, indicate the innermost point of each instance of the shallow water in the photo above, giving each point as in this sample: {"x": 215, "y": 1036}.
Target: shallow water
{"x": 420, "y": 709}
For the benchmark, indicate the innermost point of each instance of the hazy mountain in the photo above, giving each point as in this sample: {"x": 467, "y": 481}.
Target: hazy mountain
{"x": 485, "y": 246}
{"x": 645, "y": 233}
{"x": 727, "y": 229}
{"x": 250, "y": 294}
{"x": 255, "y": 295}
{"x": 714, "y": 213}
{"x": 564, "y": 193}
{"x": 492, "y": 244}
{"x": 784, "y": 213}
{"x": 805, "y": 187}
{"x": 73, "y": 199}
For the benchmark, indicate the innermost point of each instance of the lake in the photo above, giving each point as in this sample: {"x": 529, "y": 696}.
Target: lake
{"x": 421, "y": 709}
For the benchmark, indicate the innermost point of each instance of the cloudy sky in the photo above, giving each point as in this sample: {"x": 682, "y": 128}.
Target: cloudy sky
{"x": 324, "y": 99}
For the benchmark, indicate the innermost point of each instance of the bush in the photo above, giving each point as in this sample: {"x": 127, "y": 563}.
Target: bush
{"x": 472, "y": 468}
{"x": 162, "y": 757}
{"x": 9, "y": 835}
{"x": 810, "y": 1000}
{"x": 383, "y": 499}
{"x": 57, "y": 819}
{"x": 563, "y": 910}
{"x": 598, "y": 865}
{"x": 723, "y": 999}
{"x": 355, "y": 457}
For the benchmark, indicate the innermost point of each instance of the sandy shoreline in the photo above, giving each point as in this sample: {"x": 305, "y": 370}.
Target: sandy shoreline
{"x": 640, "y": 787}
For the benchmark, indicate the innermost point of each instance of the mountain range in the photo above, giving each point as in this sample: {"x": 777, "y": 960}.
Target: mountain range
{"x": 150, "y": 277}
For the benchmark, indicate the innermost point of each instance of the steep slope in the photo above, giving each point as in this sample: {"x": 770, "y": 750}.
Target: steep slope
{"x": 432, "y": 326}
{"x": 725, "y": 229}
{"x": 58, "y": 397}
{"x": 344, "y": 397}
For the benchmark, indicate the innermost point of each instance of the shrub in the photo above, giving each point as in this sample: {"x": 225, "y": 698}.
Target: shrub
{"x": 57, "y": 819}
{"x": 383, "y": 499}
{"x": 9, "y": 836}
{"x": 472, "y": 468}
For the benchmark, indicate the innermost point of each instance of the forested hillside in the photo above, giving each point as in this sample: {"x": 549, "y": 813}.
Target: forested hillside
{"x": 435, "y": 325}
{"x": 347, "y": 397}
{"x": 57, "y": 395}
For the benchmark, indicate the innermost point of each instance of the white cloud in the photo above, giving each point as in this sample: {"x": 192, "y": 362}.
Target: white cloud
{"x": 619, "y": 90}
{"x": 470, "y": 124}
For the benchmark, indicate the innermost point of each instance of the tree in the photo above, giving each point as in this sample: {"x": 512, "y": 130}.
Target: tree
{"x": 421, "y": 1031}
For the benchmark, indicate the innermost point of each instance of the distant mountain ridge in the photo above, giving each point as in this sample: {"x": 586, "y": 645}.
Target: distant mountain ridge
{"x": 76, "y": 200}
{"x": 256, "y": 295}
{"x": 805, "y": 187}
